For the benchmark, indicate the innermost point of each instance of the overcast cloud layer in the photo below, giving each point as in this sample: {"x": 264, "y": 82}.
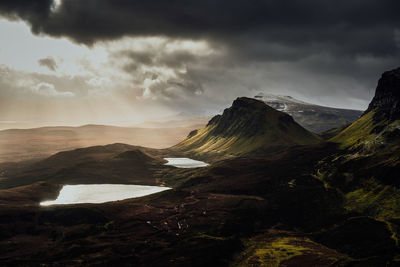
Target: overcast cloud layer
{"x": 197, "y": 56}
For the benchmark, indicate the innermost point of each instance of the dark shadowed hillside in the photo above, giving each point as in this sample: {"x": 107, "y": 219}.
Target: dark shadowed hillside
{"x": 111, "y": 164}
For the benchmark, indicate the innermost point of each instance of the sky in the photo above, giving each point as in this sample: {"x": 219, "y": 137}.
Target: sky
{"x": 120, "y": 62}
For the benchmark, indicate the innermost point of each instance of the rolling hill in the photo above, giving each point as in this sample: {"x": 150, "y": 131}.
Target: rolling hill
{"x": 112, "y": 164}
{"x": 38, "y": 143}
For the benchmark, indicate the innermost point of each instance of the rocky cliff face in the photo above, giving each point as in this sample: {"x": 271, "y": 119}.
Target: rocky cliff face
{"x": 246, "y": 117}
{"x": 387, "y": 96}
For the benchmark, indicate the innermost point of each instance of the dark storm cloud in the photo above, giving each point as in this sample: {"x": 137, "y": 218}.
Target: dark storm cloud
{"x": 34, "y": 12}
{"x": 319, "y": 47}
{"x": 255, "y": 30}
{"x": 300, "y": 21}
{"x": 49, "y": 63}
{"x": 175, "y": 59}
{"x": 26, "y": 9}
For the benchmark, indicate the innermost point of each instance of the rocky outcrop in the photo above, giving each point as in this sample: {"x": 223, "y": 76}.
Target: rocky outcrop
{"x": 246, "y": 117}
{"x": 249, "y": 126}
{"x": 387, "y": 96}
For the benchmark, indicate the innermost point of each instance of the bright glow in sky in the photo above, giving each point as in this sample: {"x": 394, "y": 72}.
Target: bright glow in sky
{"x": 94, "y": 78}
{"x": 21, "y": 51}
{"x": 54, "y": 81}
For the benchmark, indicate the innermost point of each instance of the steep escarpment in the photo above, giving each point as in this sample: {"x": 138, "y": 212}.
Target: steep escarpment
{"x": 379, "y": 127}
{"x": 387, "y": 96}
{"x": 366, "y": 169}
{"x": 248, "y": 126}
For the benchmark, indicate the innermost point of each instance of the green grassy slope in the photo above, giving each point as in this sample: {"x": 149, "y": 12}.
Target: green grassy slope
{"x": 357, "y": 133}
{"x": 368, "y": 134}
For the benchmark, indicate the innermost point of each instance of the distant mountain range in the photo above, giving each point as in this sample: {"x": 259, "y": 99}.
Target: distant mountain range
{"x": 32, "y": 144}
{"x": 313, "y": 117}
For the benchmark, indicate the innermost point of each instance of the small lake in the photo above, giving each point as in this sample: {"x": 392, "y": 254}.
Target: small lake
{"x": 100, "y": 193}
{"x": 185, "y": 163}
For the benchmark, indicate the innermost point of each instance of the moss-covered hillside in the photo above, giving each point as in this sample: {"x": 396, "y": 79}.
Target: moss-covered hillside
{"x": 379, "y": 128}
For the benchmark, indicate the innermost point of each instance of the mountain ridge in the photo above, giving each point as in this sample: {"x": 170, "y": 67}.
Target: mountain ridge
{"x": 315, "y": 118}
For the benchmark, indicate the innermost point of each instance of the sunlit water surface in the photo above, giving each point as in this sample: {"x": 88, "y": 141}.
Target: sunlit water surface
{"x": 100, "y": 193}
{"x": 185, "y": 163}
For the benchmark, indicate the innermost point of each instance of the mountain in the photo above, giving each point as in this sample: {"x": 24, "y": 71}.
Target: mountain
{"x": 379, "y": 127}
{"x": 248, "y": 126}
{"x": 313, "y": 117}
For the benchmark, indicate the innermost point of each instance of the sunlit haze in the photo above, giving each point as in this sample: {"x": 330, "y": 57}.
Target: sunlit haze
{"x": 56, "y": 73}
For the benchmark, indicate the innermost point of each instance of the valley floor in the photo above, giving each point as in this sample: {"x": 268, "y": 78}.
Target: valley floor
{"x": 249, "y": 211}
